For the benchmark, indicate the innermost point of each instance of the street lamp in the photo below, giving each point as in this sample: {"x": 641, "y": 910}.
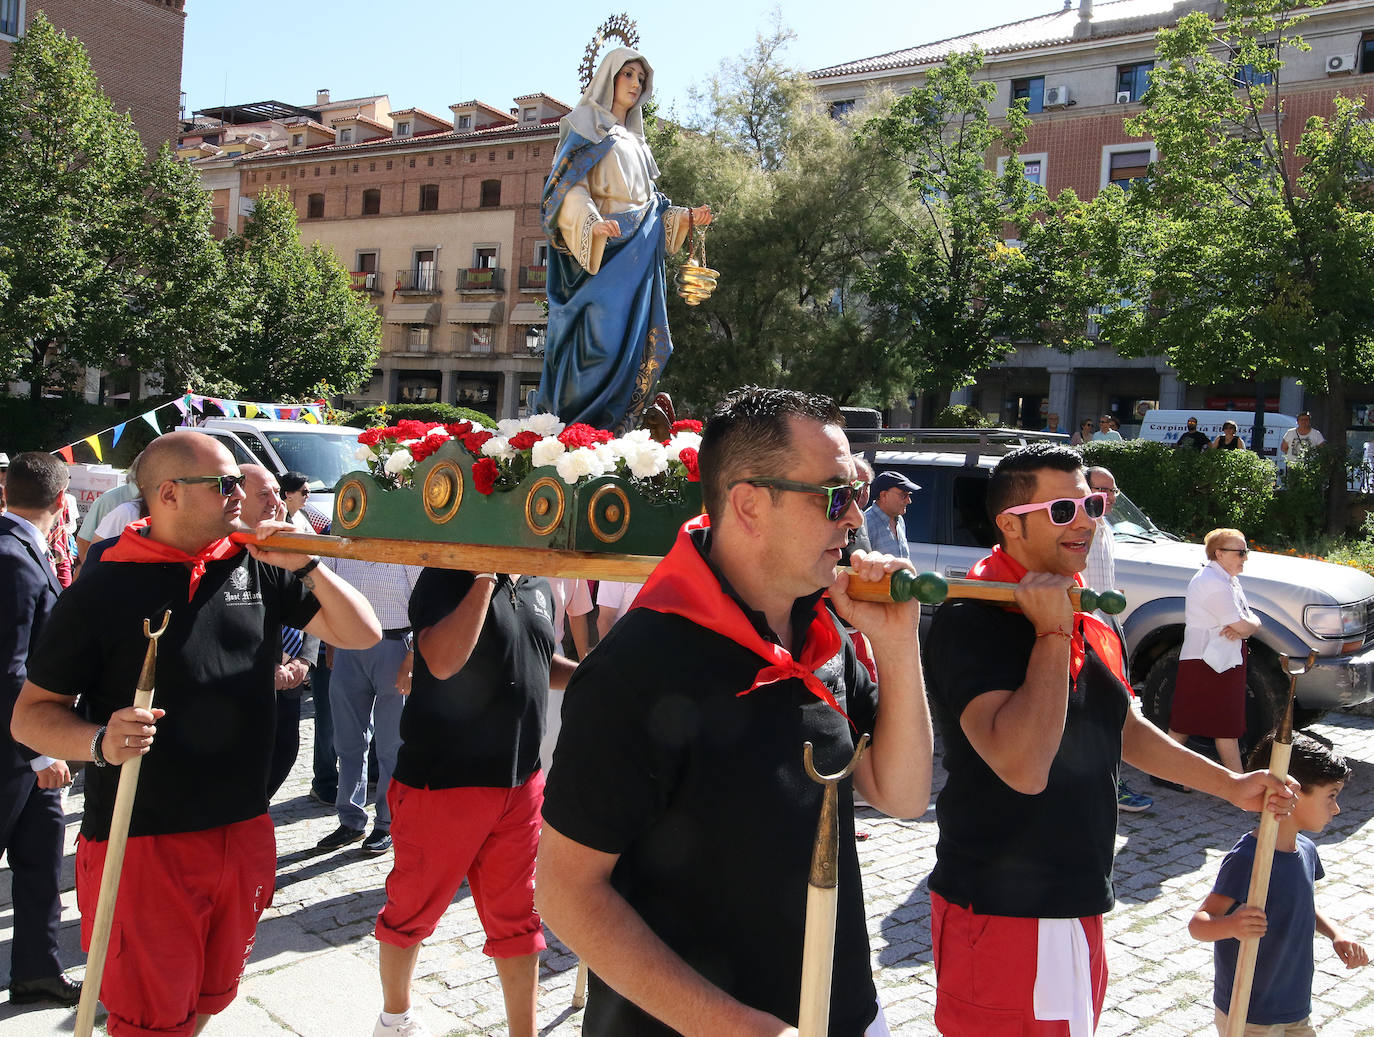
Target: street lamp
{"x": 534, "y": 340}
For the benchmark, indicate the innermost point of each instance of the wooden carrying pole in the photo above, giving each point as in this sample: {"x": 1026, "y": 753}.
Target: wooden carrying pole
{"x": 1268, "y": 834}
{"x": 114, "y": 849}
{"x": 822, "y": 897}
{"x": 597, "y": 565}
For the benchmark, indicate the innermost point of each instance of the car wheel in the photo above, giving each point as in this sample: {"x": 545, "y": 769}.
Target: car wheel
{"x": 1266, "y": 694}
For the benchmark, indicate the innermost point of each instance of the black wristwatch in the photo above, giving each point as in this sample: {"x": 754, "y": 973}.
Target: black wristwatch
{"x": 306, "y": 569}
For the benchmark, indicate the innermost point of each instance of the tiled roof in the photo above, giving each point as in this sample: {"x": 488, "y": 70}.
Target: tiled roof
{"x": 483, "y": 105}
{"x": 547, "y": 97}
{"x": 362, "y": 120}
{"x": 491, "y": 134}
{"x": 1108, "y": 19}
{"x": 347, "y": 101}
{"x": 422, "y": 113}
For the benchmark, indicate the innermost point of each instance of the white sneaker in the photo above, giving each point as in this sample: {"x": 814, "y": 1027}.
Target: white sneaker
{"x": 409, "y": 1026}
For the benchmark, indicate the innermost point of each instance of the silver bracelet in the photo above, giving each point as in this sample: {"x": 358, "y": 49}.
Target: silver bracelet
{"x": 97, "y": 755}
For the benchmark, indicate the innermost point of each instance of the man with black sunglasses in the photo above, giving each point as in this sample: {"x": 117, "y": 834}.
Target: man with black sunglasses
{"x": 1034, "y": 732}
{"x": 883, "y": 519}
{"x": 200, "y": 862}
{"x": 678, "y": 819}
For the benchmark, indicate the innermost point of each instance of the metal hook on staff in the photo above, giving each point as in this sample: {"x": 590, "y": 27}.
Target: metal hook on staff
{"x": 114, "y": 848}
{"x": 822, "y": 895}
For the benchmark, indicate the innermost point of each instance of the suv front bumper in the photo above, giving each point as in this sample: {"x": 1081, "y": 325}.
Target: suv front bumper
{"x": 1336, "y": 681}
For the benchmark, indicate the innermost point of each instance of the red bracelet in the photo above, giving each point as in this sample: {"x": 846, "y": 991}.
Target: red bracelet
{"x": 1056, "y": 632}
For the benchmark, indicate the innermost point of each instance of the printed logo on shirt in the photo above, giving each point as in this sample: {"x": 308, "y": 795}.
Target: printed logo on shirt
{"x": 541, "y": 608}
{"x": 240, "y": 590}
{"x": 832, "y": 671}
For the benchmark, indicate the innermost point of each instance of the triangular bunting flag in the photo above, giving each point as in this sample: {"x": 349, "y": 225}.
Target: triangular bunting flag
{"x": 118, "y": 431}
{"x": 250, "y": 410}
{"x": 182, "y": 405}
{"x": 94, "y": 443}
{"x": 66, "y": 454}
{"x": 153, "y": 422}
{"x": 230, "y": 408}
{"x": 309, "y": 416}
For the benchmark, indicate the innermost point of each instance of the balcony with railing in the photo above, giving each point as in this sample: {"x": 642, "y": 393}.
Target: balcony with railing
{"x": 482, "y": 279}
{"x": 533, "y": 278}
{"x": 365, "y": 281}
{"x": 422, "y": 280}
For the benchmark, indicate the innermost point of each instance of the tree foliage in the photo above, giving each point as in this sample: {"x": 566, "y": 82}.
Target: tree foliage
{"x": 105, "y": 260}
{"x": 799, "y": 205}
{"x": 950, "y": 295}
{"x": 296, "y": 322}
{"x": 1251, "y": 244}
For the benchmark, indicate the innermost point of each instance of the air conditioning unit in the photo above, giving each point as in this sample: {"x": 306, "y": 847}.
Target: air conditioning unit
{"x": 1123, "y": 97}
{"x": 1056, "y": 96}
{"x": 1340, "y": 64}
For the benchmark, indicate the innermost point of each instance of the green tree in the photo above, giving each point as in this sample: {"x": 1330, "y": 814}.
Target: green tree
{"x": 1251, "y": 241}
{"x": 948, "y": 292}
{"x": 297, "y": 323}
{"x": 798, "y": 204}
{"x": 105, "y": 260}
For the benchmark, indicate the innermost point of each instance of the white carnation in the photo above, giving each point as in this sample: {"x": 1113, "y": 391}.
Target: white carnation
{"x": 639, "y": 435}
{"x": 544, "y": 424}
{"x": 578, "y": 464}
{"x": 399, "y": 462}
{"x": 546, "y": 452}
{"x": 498, "y": 447}
{"x": 363, "y": 453}
{"x": 509, "y": 427}
{"x": 648, "y": 460}
{"x": 681, "y": 442}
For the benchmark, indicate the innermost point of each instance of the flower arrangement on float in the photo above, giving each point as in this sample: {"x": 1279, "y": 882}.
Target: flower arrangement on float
{"x": 501, "y": 459}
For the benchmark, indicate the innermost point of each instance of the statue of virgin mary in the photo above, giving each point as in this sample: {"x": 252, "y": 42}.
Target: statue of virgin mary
{"x": 607, "y": 338}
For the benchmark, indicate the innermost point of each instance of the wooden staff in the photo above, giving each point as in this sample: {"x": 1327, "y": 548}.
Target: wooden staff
{"x": 822, "y": 896}
{"x": 114, "y": 848}
{"x": 904, "y": 585}
{"x": 580, "y": 987}
{"x": 1265, "y": 839}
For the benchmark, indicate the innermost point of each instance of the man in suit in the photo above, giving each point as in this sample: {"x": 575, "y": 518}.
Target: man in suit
{"x": 31, "y": 821}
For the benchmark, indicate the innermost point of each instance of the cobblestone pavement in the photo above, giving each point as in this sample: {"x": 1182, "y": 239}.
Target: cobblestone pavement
{"x": 313, "y": 971}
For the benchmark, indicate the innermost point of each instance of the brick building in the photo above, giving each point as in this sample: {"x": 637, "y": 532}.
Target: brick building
{"x": 1083, "y": 70}
{"x": 134, "y": 46}
{"x": 438, "y": 218}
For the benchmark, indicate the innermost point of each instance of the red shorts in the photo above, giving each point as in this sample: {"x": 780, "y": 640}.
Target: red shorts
{"x": 184, "y": 922}
{"x": 490, "y": 836}
{"x": 985, "y": 973}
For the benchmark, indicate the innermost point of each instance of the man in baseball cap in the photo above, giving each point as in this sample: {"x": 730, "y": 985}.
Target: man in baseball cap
{"x": 891, "y": 493}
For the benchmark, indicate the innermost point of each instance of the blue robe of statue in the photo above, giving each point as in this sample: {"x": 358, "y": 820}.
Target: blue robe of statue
{"x": 607, "y": 338}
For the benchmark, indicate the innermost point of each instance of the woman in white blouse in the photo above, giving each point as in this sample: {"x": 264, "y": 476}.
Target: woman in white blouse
{"x": 1209, "y": 694}
{"x": 607, "y": 338}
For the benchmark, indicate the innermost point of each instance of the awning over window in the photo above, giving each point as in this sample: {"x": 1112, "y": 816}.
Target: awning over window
{"x": 475, "y": 313}
{"x": 412, "y": 313}
{"x": 528, "y": 313}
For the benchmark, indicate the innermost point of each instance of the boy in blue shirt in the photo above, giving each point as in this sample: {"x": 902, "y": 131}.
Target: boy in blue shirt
{"x": 1281, "y": 995}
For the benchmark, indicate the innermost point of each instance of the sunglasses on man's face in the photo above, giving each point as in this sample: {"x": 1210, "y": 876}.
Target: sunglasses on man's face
{"x": 224, "y": 483}
{"x": 1065, "y": 509}
{"x": 837, "y": 498}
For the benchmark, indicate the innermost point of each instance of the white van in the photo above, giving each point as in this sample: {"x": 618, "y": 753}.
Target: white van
{"x": 323, "y": 453}
{"x": 1165, "y": 426}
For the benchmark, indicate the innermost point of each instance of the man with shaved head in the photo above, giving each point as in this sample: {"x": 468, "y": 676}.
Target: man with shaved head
{"x": 201, "y": 858}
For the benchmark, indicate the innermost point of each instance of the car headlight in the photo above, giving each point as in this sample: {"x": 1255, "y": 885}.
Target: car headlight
{"x": 1336, "y": 621}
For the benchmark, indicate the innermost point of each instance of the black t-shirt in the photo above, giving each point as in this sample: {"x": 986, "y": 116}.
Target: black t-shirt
{"x": 482, "y": 726}
{"x": 704, "y": 797}
{"x": 1001, "y": 852}
{"x": 209, "y": 761}
{"x": 1193, "y": 440}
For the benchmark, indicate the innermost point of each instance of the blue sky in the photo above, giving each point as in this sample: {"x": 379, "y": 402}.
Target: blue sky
{"x": 433, "y": 53}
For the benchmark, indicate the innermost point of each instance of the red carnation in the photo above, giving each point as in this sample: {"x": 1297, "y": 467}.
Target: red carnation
{"x": 411, "y": 429}
{"x": 688, "y": 457}
{"x": 423, "y": 448}
{"x": 687, "y": 425}
{"x": 474, "y": 440}
{"x": 580, "y": 434}
{"x": 484, "y": 474}
{"x": 370, "y": 436}
{"x": 525, "y": 440}
{"x": 459, "y": 429}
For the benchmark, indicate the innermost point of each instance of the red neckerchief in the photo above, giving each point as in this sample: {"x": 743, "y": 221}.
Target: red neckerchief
{"x": 1087, "y": 628}
{"x": 133, "y": 546}
{"x": 684, "y": 585}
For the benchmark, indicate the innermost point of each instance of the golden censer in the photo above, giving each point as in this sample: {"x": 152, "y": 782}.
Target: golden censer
{"x": 695, "y": 280}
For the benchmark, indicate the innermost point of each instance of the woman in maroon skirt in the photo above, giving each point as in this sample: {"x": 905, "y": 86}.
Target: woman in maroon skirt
{"x": 1209, "y": 694}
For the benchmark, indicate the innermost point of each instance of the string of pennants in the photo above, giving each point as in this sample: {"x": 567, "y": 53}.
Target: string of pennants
{"x": 191, "y": 403}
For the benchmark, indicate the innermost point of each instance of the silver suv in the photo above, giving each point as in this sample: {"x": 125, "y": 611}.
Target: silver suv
{"x": 1305, "y": 605}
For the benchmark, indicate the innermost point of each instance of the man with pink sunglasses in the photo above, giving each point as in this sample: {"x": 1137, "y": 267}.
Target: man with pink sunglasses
{"x": 1034, "y": 732}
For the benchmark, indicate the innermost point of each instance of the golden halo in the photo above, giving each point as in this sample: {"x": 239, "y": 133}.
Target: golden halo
{"x": 623, "y": 28}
